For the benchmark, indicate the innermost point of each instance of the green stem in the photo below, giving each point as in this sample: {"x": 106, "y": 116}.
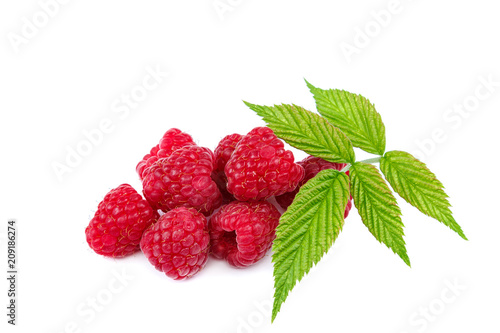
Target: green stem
{"x": 346, "y": 168}
{"x": 368, "y": 161}
{"x": 372, "y": 160}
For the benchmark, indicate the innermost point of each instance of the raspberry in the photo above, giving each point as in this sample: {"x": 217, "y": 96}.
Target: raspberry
{"x": 222, "y": 154}
{"x": 118, "y": 224}
{"x": 260, "y": 167}
{"x": 178, "y": 243}
{"x": 242, "y": 232}
{"x": 312, "y": 166}
{"x": 172, "y": 140}
{"x": 183, "y": 179}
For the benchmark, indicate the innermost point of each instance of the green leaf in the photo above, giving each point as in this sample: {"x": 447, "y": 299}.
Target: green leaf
{"x": 378, "y": 207}
{"x": 415, "y": 183}
{"x": 307, "y": 131}
{"x": 354, "y": 115}
{"x": 307, "y": 230}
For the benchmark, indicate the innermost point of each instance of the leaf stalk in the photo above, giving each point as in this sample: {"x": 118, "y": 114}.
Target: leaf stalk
{"x": 368, "y": 161}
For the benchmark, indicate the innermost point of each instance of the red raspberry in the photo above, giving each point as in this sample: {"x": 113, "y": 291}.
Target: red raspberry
{"x": 118, "y": 224}
{"x": 178, "y": 243}
{"x": 242, "y": 232}
{"x": 260, "y": 167}
{"x": 172, "y": 140}
{"x": 222, "y": 154}
{"x": 312, "y": 166}
{"x": 183, "y": 179}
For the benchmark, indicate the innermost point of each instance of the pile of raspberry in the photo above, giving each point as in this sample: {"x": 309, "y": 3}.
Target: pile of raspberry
{"x": 198, "y": 203}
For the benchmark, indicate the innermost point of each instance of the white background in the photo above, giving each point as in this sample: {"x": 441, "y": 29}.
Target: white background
{"x": 70, "y": 74}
